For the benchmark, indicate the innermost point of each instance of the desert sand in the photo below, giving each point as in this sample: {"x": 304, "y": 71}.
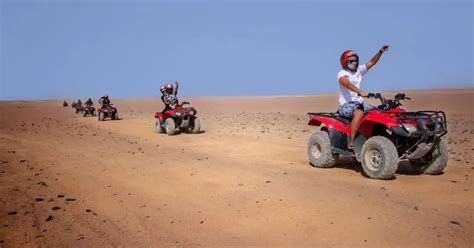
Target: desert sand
{"x": 72, "y": 181}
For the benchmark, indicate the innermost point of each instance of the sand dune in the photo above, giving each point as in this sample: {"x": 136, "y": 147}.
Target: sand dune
{"x": 68, "y": 180}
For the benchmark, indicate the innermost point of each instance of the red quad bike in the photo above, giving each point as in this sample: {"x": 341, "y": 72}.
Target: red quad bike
{"x": 88, "y": 110}
{"x": 108, "y": 112}
{"x": 79, "y": 108}
{"x": 385, "y": 135}
{"x": 183, "y": 118}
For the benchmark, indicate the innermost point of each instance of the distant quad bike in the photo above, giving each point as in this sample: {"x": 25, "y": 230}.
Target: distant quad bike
{"x": 385, "y": 135}
{"x": 73, "y": 105}
{"x": 88, "y": 110}
{"x": 182, "y": 118}
{"x": 65, "y": 104}
{"x": 79, "y": 108}
{"x": 108, "y": 111}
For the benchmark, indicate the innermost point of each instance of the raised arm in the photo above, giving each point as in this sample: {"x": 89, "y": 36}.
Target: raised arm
{"x": 376, "y": 57}
{"x": 346, "y": 83}
{"x": 177, "y": 86}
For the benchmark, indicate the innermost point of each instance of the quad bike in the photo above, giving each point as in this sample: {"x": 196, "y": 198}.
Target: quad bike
{"x": 73, "y": 105}
{"x": 385, "y": 135}
{"x": 88, "y": 110}
{"x": 107, "y": 111}
{"x": 182, "y": 118}
{"x": 79, "y": 108}
{"x": 65, "y": 104}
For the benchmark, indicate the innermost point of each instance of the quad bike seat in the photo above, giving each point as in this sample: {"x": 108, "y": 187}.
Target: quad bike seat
{"x": 335, "y": 115}
{"x": 345, "y": 120}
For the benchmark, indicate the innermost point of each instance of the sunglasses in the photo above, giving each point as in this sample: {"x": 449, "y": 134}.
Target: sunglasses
{"x": 350, "y": 61}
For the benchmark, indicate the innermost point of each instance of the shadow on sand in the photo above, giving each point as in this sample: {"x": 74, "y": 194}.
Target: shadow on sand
{"x": 350, "y": 163}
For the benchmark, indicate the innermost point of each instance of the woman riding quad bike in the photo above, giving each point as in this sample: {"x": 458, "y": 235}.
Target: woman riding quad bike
{"x": 174, "y": 115}
{"x": 107, "y": 110}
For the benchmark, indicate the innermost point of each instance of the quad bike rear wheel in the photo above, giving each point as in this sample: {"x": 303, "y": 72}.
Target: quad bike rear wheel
{"x": 170, "y": 126}
{"x": 101, "y": 116}
{"x": 379, "y": 158}
{"x": 319, "y": 150}
{"x": 159, "y": 126}
{"x": 434, "y": 162}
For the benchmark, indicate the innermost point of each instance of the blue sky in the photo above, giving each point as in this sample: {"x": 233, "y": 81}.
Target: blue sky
{"x": 69, "y": 49}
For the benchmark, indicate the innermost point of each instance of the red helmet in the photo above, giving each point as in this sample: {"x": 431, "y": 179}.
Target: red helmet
{"x": 169, "y": 87}
{"x": 345, "y": 55}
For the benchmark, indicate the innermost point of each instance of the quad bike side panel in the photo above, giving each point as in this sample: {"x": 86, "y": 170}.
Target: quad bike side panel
{"x": 376, "y": 117}
{"x": 331, "y": 123}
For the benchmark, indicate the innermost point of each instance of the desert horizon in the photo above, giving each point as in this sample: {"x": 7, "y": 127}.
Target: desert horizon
{"x": 330, "y": 93}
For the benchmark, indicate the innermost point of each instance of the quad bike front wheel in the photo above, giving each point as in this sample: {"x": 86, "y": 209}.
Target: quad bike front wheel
{"x": 434, "y": 162}
{"x": 101, "y": 116}
{"x": 196, "y": 125}
{"x": 115, "y": 116}
{"x": 159, "y": 126}
{"x": 319, "y": 150}
{"x": 379, "y": 158}
{"x": 170, "y": 126}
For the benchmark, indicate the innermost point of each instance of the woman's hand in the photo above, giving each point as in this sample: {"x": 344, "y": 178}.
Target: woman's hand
{"x": 384, "y": 48}
{"x": 363, "y": 93}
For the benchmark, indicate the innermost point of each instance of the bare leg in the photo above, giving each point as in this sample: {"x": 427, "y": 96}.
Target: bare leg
{"x": 358, "y": 114}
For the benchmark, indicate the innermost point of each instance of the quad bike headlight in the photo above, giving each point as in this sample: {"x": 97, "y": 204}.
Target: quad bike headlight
{"x": 191, "y": 112}
{"x": 178, "y": 114}
{"x": 410, "y": 128}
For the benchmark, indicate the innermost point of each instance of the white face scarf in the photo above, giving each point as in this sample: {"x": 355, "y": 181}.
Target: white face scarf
{"x": 352, "y": 66}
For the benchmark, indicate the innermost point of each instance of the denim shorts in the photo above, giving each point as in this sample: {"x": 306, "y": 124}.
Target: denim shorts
{"x": 347, "y": 109}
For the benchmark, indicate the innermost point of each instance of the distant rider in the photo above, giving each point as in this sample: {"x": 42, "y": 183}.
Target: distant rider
{"x": 105, "y": 101}
{"x": 89, "y": 102}
{"x": 169, "y": 96}
{"x": 79, "y": 102}
{"x": 351, "y": 101}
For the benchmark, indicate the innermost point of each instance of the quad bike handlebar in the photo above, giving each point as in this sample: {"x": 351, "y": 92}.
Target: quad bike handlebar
{"x": 389, "y": 103}
{"x": 182, "y": 103}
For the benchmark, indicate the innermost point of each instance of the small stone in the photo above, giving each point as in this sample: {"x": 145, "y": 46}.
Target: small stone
{"x": 455, "y": 222}
{"x": 70, "y": 199}
{"x": 39, "y": 199}
{"x": 50, "y": 218}
{"x": 12, "y": 213}
{"x": 56, "y": 208}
